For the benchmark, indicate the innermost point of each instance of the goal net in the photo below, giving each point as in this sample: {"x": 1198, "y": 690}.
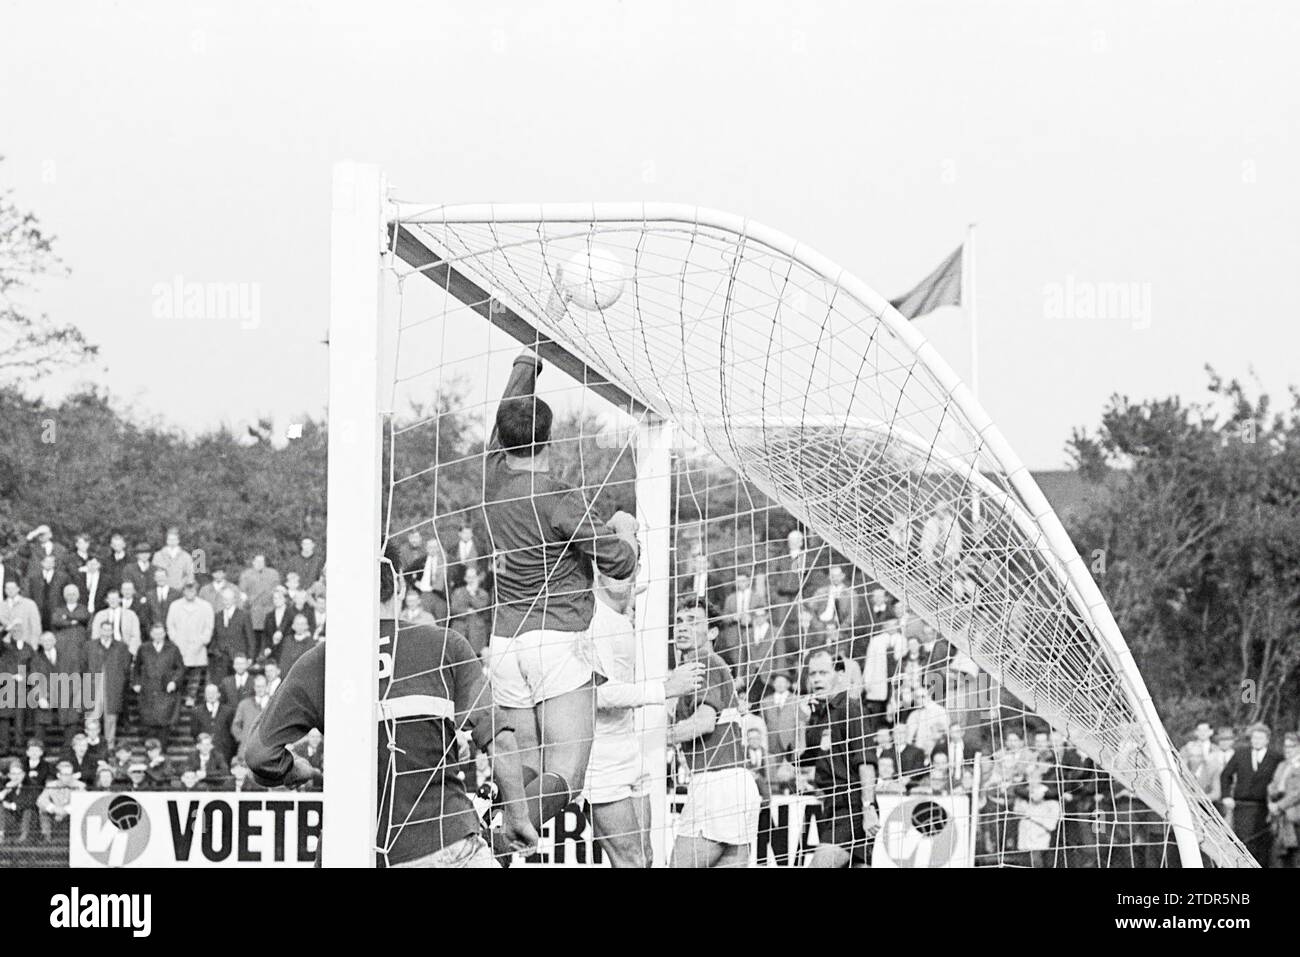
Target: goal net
{"x": 797, "y": 454}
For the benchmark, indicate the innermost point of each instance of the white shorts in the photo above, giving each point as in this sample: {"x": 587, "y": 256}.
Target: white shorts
{"x": 616, "y": 769}
{"x": 721, "y": 806}
{"x": 536, "y": 665}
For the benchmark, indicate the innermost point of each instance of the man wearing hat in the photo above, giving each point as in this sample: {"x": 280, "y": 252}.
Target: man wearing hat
{"x": 40, "y": 543}
{"x": 95, "y": 583}
{"x": 140, "y": 572}
{"x": 211, "y": 592}
{"x": 118, "y": 559}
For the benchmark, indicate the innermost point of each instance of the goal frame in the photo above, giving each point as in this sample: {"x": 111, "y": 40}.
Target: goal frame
{"x": 353, "y": 499}
{"x": 366, "y": 227}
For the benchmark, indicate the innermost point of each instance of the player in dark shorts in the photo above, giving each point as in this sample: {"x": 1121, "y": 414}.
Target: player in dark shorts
{"x": 430, "y": 686}
{"x": 836, "y": 745}
{"x": 719, "y": 822}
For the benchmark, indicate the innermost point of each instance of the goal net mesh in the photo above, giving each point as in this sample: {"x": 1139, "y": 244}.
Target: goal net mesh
{"x": 798, "y": 407}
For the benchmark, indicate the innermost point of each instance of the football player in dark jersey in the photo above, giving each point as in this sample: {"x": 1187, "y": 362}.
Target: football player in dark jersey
{"x": 718, "y": 825}
{"x": 547, "y": 544}
{"x": 431, "y": 686}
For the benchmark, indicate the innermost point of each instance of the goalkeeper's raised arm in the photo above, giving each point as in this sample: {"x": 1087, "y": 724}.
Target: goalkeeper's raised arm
{"x": 522, "y": 384}
{"x": 546, "y": 537}
{"x": 547, "y": 545}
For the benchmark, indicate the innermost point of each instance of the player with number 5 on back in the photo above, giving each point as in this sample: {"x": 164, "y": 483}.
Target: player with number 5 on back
{"x": 430, "y": 687}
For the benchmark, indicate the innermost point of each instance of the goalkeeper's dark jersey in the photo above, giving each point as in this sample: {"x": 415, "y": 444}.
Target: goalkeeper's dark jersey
{"x": 431, "y": 683}
{"x": 545, "y": 539}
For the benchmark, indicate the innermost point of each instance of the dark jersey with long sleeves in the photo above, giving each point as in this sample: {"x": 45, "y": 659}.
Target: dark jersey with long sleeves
{"x": 838, "y": 742}
{"x": 545, "y": 539}
{"x": 431, "y": 683}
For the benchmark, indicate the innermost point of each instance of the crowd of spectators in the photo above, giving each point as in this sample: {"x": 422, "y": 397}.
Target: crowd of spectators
{"x": 172, "y": 663}
{"x": 1256, "y": 787}
{"x": 929, "y": 725}
{"x": 192, "y": 654}
{"x": 934, "y": 724}
{"x": 133, "y": 669}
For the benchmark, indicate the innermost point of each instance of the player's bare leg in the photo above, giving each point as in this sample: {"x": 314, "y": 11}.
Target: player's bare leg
{"x": 622, "y": 829}
{"x": 696, "y": 852}
{"x": 567, "y": 725}
{"x": 830, "y": 855}
{"x": 701, "y": 852}
{"x": 524, "y": 721}
{"x": 734, "y": 855}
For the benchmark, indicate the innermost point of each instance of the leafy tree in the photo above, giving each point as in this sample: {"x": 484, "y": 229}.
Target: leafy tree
{"x": 31, "y": 345}
{"x": 1194, "y": 532}
{"x": 1195, "y": 510}
{"x": 82, "y": 465}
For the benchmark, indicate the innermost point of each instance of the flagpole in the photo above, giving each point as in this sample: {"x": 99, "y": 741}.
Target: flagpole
{"x": 972, "y": 314}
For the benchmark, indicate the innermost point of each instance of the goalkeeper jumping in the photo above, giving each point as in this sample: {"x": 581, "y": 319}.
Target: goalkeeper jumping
{"x": 546, "y": 543}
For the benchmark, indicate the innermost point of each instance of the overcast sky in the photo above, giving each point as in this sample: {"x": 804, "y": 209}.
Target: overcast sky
{"x": 1136, "y": 143}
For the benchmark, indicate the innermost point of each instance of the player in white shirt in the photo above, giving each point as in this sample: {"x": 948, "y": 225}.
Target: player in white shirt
{"x": 617, "y": 773}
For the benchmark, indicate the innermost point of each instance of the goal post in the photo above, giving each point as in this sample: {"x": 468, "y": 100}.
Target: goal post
{"x": 357, "y": 245}
{"x": 692, "y": 325}
{"x": 654, "y": 466}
